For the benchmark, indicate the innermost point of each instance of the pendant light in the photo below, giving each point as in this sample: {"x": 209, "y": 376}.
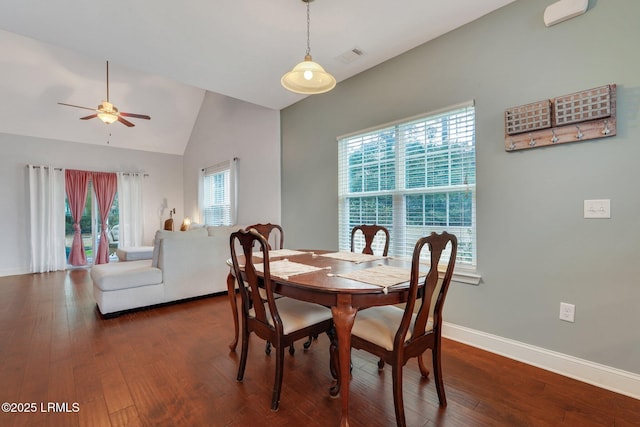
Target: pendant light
{"x": 308, "y": 77}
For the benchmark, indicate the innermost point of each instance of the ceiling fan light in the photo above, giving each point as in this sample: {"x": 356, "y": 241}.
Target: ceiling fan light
{"x": 107, "y": 112}
{"x": 107, "y": 118}
{"x": 308, "y": 78}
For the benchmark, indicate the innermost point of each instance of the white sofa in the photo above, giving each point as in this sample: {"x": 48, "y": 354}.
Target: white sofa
{"x": 184, "y": 265}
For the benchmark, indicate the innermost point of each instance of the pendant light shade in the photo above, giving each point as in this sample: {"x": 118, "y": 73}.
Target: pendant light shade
{"x": 308, "y": 77}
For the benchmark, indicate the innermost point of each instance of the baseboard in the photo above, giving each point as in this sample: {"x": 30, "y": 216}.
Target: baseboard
{"x": 12, "y": 272}
{"x": 602, "y": 376}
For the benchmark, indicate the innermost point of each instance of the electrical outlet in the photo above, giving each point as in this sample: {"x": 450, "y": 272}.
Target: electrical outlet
{"x": 567, "y": 312}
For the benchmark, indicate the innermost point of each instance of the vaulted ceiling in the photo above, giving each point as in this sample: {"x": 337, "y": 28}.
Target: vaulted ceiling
{"x": 164, "y": 55}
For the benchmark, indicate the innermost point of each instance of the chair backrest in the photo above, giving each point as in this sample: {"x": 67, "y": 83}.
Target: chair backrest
{"x": 370, "y": 232}
{"x": 431, "y": 299}
{"x": 273, "y": 234}
{"x": 114, "y": 234}
{"x": 249, "y": 282}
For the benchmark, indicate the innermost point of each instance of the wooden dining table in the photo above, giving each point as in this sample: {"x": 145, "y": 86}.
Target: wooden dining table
{"x": 328, "y": 286}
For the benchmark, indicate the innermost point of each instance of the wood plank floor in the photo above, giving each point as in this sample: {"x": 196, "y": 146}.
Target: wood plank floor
{"x": 170, "y": 366}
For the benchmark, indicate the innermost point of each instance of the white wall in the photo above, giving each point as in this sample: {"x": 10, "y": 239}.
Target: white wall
{"x": 164, "y": 182}
{"x": 534, "y": 247}
{"x": 225, "y": 128}
{"x": 228, "y": 128}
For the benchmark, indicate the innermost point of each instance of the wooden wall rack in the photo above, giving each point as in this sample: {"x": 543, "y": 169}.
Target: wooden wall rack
{"x": 576, "y": 117}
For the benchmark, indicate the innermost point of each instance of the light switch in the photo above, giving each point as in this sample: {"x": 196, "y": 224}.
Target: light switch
{"x": 597, "y": 208}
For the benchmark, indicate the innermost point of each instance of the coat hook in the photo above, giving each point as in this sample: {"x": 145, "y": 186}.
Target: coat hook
{"x": 606, "y": 130}
{"x": 512, "y": 146}
{"x": 532, "y": 141}
{"x": 580, "y": 135}
{"x": 555, "y": 137}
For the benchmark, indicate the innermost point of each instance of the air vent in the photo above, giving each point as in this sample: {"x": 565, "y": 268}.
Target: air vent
{"x": 349, "y": 56}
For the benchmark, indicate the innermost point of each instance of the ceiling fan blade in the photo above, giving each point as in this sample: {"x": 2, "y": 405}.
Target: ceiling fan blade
{"x": 77, "y": 106}
{"x": 135, "y": 116}
{"x": 92, "y": 116}
{"x": 125, "y": 122}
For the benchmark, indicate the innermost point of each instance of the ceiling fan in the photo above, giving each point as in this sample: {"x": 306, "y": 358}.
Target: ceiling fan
{"x": 107, "y": 112}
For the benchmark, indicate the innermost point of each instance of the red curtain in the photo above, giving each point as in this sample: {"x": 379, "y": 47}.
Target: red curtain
{"x": 104, "y": 185}
{"x": 76, "y": 184}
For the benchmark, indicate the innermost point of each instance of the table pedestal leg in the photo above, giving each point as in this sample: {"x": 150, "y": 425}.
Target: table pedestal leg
{"x": 343, "y": 316}
{"x": 231, "y": 288}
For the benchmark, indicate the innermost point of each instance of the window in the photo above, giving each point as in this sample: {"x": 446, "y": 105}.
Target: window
{"x": 413, "y": 177}
{"x": 217, "y": 206}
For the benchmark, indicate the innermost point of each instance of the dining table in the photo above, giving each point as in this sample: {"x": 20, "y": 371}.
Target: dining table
{"x": 344, "y": 281}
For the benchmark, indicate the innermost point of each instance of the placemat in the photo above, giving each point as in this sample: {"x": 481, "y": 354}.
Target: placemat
{"x": 284, "y": 268}
{"x": 353, "y": 256}
{"x": 279, "y": 253}
{"x": 381, "y": 275}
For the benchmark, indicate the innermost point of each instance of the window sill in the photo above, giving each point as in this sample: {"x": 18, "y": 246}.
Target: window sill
{"x": 468, "y": 276}
{"x": 465, "y": 275}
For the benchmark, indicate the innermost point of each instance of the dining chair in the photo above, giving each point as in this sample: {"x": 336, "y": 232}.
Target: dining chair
{"x": 280, "y": 321}
{"x": 369, "y": 232}
{"x": 273, "y": 234}
{"x": 397, "y": 334}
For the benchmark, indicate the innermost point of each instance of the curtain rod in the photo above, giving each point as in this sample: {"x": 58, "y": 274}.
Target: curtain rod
{"x": 43, "y": 167}
{"x": 235, "y": 159}
{"x": 144, "y": 174}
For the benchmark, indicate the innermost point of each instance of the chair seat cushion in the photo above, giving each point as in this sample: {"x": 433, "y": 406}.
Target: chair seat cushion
{"x": 296, "y": 315}
{"x": 380, "y": 324}
{"x": 121, "y": 275}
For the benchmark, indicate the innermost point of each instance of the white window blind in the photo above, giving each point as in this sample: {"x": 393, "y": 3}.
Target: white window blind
{"x": 413, "y": 176}
{"x": 218, "y": 196}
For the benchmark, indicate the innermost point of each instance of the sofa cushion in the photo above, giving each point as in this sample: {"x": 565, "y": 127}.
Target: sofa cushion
{"x": 121, "y": 275}
{"x": 134, "y": 253}
{"x": 223, "y": 230}
{"x": 164, "y": 234}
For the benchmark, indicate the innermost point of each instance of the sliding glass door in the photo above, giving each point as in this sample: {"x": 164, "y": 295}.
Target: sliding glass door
{"x": 91, "y": 228}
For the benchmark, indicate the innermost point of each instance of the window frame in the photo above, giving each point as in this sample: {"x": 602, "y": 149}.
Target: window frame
{"x": 402, "y": 240}
{"x": 227, "y": 204}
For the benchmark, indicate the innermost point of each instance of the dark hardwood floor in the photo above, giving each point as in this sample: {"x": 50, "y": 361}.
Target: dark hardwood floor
{"x": 171, "y": 366}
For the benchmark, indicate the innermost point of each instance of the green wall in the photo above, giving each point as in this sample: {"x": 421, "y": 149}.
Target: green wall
{"x": 534, "y": 247}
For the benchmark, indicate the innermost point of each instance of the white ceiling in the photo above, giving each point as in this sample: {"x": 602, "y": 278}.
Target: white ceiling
{"x": 164, "y": 54}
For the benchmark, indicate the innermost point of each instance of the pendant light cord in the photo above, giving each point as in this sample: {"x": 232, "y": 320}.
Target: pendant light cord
{"x": 308, "y": 25}
{"x": 107, "y": 81}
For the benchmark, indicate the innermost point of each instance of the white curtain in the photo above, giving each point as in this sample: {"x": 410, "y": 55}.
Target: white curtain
{"x": 46, "y": 219}
{"x": 130, "y": 206}
{"x": 234, "y": 190}
{"x": 201, "y": 215}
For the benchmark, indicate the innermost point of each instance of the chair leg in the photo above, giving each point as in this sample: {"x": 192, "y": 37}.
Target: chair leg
{"x": 243, "y": 355}
{"x": 307, "y": 343}
{"x": 267, "y": 349}
{"x": 398, "y": 401}
{"x": 277, "y": 385}
{"x": 423, "y": 369}
{"x": 231, "y": 284}
{"x": 333, "y": 352}
{"x": 437, "y": 373}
